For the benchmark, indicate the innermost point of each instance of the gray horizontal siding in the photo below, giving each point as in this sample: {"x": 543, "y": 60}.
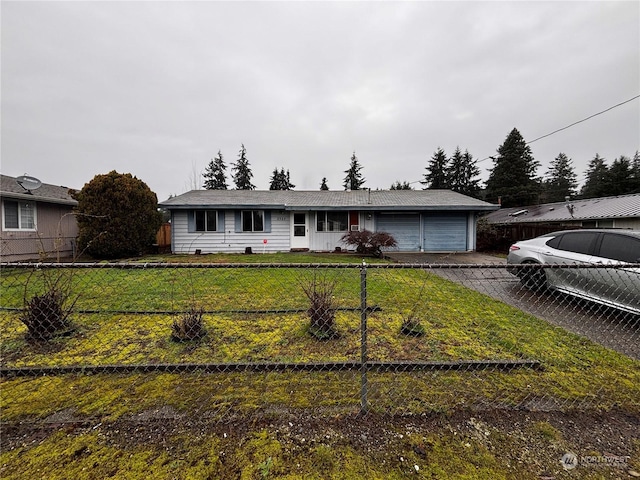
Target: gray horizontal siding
{"x": 228, "y": 241}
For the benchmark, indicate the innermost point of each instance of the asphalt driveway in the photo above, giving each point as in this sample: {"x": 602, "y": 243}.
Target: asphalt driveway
{"x": 611, "y": 328}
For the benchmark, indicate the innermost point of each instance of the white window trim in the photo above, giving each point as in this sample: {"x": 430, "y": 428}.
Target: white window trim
{"x": 20, "y": 229}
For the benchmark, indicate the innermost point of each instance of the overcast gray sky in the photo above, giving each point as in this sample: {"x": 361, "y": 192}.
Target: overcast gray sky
{"x": 157, "y": 88}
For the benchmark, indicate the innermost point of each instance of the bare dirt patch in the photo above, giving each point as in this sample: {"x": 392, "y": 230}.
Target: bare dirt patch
{"x": 519, "y": 444}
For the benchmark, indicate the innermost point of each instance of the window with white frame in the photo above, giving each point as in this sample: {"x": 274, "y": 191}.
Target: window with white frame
{"x": 253, "y": 221}
{"x": 206, "y": 220}
{"x": 332, "y": 221}
{"x": 19, "y": 215}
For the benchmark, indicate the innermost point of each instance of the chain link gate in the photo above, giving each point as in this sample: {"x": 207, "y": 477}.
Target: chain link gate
{"x": 235, "y": 339}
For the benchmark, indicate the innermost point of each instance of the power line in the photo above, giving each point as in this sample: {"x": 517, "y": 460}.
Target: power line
{"x": 572, "y": 124}
{"x": 560, "y": 129}
{"x": 583, "y": 120}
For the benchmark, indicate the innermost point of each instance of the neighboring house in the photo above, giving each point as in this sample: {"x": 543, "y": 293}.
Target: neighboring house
{"x": 37, "y": 224}
{"x": 234, "y": 220}
{"x": 521, "y": 223}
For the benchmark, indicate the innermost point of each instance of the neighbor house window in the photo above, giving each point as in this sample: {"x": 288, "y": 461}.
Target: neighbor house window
{"x": 332, "y": 221}
{"x": 19, "y": 215}
{"x": 206, "y": 220}
{"x": 252, "y": 221}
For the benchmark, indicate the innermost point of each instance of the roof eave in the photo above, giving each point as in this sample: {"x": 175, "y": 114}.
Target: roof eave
{"x": 475, "y": 208}
{"x": 34, "y": 198}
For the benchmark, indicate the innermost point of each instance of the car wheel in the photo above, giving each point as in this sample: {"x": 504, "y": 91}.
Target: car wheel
{"x": 534, "y": 278}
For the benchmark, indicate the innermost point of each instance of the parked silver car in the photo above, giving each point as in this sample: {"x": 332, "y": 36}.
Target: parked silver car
{"x": 617, "y": 286}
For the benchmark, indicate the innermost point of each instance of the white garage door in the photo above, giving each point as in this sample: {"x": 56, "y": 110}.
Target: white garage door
{"x": 404, "y": 227}
{"x": 445, "y": 233}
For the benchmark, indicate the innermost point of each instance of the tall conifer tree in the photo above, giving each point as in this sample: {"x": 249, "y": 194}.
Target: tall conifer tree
{"x": 242, "y": 173}
{"x": 354, "y": 179}
{"x": 436, "y": 176}
{"x": 512, "y": 179}
{"x": 214, "y": 175}
{"x": 561, "y": 180}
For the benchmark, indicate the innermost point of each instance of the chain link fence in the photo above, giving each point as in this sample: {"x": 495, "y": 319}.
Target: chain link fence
{"x": 220, "y": 340}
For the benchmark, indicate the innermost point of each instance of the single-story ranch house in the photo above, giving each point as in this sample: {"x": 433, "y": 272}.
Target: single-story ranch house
{"x": 210, "y": 221}
{"x": 37, "y": 223}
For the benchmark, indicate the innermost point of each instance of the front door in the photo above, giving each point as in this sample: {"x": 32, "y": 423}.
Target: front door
{"x": 299, "y": 230}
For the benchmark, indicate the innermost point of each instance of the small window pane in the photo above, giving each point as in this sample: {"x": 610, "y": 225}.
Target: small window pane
{"x": 199, "y": 221}
{"x": 212, "y": 220}
{"x": 246, "y": 221}
{"x": 337, "y": 221}
{"x": 27, "y": 215}
{"x": 10, "y": 214}
{"x": 578, "y": 242}
{"x": 258, "y": 221}
{"x": 620, "y": 247}
{"x": 554, "y": 242}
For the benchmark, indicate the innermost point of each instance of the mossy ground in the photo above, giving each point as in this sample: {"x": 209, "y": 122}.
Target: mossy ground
{"x": 576, "y": 373}
{"x": 481, "y": 445}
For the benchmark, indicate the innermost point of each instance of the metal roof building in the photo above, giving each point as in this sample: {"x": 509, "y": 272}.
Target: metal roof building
{"x": 605, "y": 212}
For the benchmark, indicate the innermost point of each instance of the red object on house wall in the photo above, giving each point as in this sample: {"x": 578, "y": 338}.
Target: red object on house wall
{"x": 354, "y": 218}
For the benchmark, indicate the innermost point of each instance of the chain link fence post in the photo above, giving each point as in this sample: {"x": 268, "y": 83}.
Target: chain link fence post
{"x": 364, "y": 384}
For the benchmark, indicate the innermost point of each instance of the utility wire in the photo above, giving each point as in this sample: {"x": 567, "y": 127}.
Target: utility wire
{"x": 560, "y": 129}
{"x": 573, "y": 124}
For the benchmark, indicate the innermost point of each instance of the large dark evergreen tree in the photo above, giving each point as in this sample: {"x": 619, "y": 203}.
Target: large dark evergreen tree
{"x": 597, "y": 181}
{"x": 561, "y": 180}
{"x": 281, "y": 180}
{"x": 462, "y": 173}
{"x": 621, "y": 179}
{"x": 354, "y": 179}
{"x": 323, "y": 184}
{"x": 436, "y": 176}
{"x": 512, "y": 178}
{"x": 242, "y": 173}
{"x": 214, "y": 175}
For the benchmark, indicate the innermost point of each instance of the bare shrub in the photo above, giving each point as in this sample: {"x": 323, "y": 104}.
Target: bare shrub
{"x": 189, "y": 326}
{"x": 46, "y": 315}
{"x": 412, "y": 327}
{"x": 322, "y": 308}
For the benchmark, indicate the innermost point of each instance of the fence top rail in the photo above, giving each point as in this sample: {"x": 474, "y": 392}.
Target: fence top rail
{"x": 169, "y": 265}
{"x": 383, "y": 266}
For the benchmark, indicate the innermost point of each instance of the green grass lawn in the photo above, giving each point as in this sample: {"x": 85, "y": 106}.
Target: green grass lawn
{"x": 460, "y": 324}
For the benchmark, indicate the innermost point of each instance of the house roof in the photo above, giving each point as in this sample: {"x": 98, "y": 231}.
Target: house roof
{"x": 9, "y": 188}
{"x": 623, "y": 206}
{"x": 328, "y": 200}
